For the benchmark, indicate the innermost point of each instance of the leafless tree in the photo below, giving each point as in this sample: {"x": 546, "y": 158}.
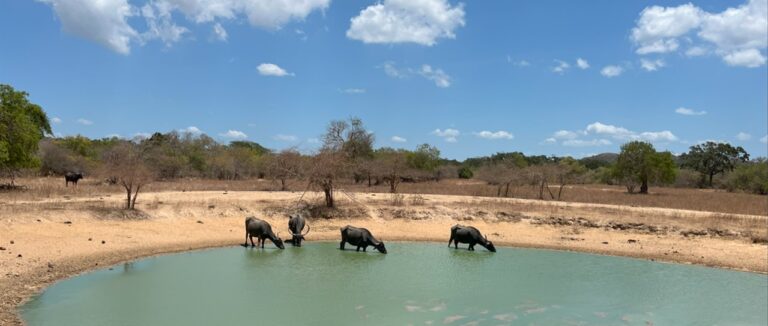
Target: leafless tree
{"x": 326, "y": 167}
{"x": 125, "y": 163}
{"x": 391, "y": 166}
{"x": 284, "y": 165}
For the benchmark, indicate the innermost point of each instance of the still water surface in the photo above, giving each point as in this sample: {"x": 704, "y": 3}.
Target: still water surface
{"x": 415, "y": 284}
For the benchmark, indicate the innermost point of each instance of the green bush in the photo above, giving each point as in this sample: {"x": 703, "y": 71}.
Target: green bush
{"x": 465, "y": 173}
{"x": 749, "y": 177}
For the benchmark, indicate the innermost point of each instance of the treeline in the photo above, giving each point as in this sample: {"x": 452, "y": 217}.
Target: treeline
{"x": 348, "y": 154}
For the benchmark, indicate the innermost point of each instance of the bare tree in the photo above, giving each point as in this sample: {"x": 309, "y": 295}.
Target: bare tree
{"x": 284, "y": 165}
{"x": 391, "y": 166}
{"x": 125, "y": 163}
{"x": 325, "y": 169}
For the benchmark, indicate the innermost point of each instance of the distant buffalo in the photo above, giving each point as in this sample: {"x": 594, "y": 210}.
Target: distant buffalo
{"x": 362, "y": 238}
{"x": 72, "y": 177}
{"x": 471, "y": 235}
{"x": 260, "y": 229}
{"x": 296, "y": 224}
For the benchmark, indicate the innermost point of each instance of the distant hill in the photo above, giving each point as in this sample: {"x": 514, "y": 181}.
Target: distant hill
{"x": 599, "y": 160}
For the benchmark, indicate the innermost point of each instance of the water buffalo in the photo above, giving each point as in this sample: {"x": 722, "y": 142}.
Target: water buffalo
{"x": 261, "y": 230}
{"x": 296, "y": 225}
{"x": 471, "y": 235}
{"x": 361, "y": 238}
{"x": 72, "y": 177}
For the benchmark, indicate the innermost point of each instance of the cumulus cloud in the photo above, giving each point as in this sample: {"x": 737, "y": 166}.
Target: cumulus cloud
{"x": 561, "y": 67}
{"x": 56, "y": 120}
{"x": 518, "y": 63}
{"x": 271, "y": 69}
{"x": 398, "y": 139}
{"x": 743, "y": 136}
{"x": 438, "y": 76}
{"x": 764, "y": 140}
{"x": 564, "y": 134}
{"x": 84, "y": 122}
{"x": 192, "y": 130}
{"x": 652, "y": 65}
{"x": 101, "y": 21}
{"x": 626, "y": 134}
{"x": 738, "y": 34}
{"x": 407, "y": 21}
{"x": 285, "y": 138}
{"x": 108, "y": 22}
{"x": 450, "y": 135}
{"x": 501, "y": 134}
{"x": 687, "y": 111}
{"x": 142, "y": 135}
{"x": 611, "y": 71}
{"x": 656, "y": 136}
{"x": 234, "y": 134}
{"x": 582, "y": 63}
{"x": 353, "y": 90}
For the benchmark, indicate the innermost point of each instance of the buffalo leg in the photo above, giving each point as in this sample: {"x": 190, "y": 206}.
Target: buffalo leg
{"x": 341, "y": 245}
{"x": 262, "y": 242}
{"x": 449, "y": 242}
{"x": 456, "y": 244}
{"x": 252, "y": 245}
{"x": 358, "y": 248}
{"x": 471, "y": 246}
{"x": 365, "y": 248}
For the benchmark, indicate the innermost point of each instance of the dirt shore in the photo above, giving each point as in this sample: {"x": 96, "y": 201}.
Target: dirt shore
{"x": 45, "y": 241}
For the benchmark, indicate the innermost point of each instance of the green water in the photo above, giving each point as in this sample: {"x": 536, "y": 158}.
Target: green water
{"x": 414, "y": 284}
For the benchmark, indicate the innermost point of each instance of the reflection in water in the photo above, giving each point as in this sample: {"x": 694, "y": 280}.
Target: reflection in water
{"x": 319, "y": 284}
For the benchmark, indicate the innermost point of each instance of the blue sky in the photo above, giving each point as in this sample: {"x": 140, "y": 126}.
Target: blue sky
{"x": 473, "y": 78}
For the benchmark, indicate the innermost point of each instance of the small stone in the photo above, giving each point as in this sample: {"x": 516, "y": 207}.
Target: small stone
{"x": 19, "y": 256}
{"x": 632, "y": 241}
{"x": 39, "y": 220}
{"x": 605, "y": 242}
{"x": 3, "y": 248}
{"x": 90, "y": 239}
{"x": 50, "y": 265}
{"x": 11, "y": 241}
{"x": 199, "y": 222}
{"x": 67, "y": 222}
{"x": 103, "y": 242}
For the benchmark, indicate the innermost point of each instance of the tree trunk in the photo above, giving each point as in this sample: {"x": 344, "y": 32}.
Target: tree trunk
{"x": 369, "y": 180}
{"x": 541, "y": 189}
{"x": 506, "y": 190}
{"x": 560, "y": 192}
{"x": 282, "y": 185}
{"x": 135, "y": 195}
{"x": 711, "y": 174}
{"x": 128, "y": 202}
{"x": 328, "y": 196}
{"x": 644, "y": 187}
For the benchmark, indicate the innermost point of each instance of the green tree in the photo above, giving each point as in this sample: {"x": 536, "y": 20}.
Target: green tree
{"x": 425, "y": 157}
{"x": 713, "y": 158}
{"x": 22, "y": 125}
{"x": 640, "y": 163}
{"x": 465, "y": 173}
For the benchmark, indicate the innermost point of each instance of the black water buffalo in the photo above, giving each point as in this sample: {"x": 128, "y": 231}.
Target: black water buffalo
{"x": 260, "y": 229}
{"x": 471, "y": 235}
{"x": 72, "y": 177}
{"x": 362, "y": 238}
{"x": 296, "y": 225}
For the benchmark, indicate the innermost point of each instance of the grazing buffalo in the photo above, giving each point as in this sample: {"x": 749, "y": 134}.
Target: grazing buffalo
{"x": 261, "y": 230}
{"x": 471, "y": 235}
{"x": 362, "y": 238}
{"x": 296, "y": 225}
{"x": 72, "y": 177}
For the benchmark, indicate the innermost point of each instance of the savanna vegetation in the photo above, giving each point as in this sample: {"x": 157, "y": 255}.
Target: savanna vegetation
{"x": 348, "y": 158}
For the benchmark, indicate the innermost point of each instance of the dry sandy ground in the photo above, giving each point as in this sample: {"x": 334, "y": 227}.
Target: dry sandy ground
{"x": 45, "y": 241}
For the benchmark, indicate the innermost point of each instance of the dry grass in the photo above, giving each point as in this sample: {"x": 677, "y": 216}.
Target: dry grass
{"x": 689, "y": 199}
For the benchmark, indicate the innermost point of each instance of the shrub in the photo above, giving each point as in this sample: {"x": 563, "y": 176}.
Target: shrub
{"x": 465, "y": 173}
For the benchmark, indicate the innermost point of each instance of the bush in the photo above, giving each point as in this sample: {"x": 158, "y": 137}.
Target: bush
{"x": 750, "y": 177}
{"x": 465, "y": 173}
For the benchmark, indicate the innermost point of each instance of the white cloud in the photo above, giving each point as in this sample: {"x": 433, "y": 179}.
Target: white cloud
{"x": 582, "y": 63}
{"x": 142, "y": 135}
{"x": 750, "y": 58}
{"x": 586, "y": 143}
{"x": 285, "y": 138}
{"x": 271, "y": 69}
{"x": 392, "y": 71}
{"x": 611, "y": 71}
{"x": 564, "y": 134}
{"x": 192, "y": 130}
{"x": 220, "y": 33}
{"x": 518, "y": 63}
{"x": 438, "y": 76}
{"x": 696, "y": 51}
{"x": 652, "y": 65}
{"x": 561, "y": 67}
{"x": 738, "y": 34}
{"x": 494, "y": 134}
{"x": 450, "y": 135}
{"x": 56, "y": 120}
{"x": 550, "y": 140}
{"x": 234, "y": 134}
{"x": 354, "y": 90}
{"x": 600, "y": 128}
{"x": 687, "y": 111}
{"x": 764, "y": 140}
{"x": 113, "y": 136}
{"x": 108, "y": 22}
{"x": 160, "y": 24}
{"x": 743, "y": 136}
{"x": 407, "y": 21}
{"x": 656, "y": 136}
{"x": 104, "y": 21}
{"x": 84, "y": 122}
{"x": 398, "y": 139}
